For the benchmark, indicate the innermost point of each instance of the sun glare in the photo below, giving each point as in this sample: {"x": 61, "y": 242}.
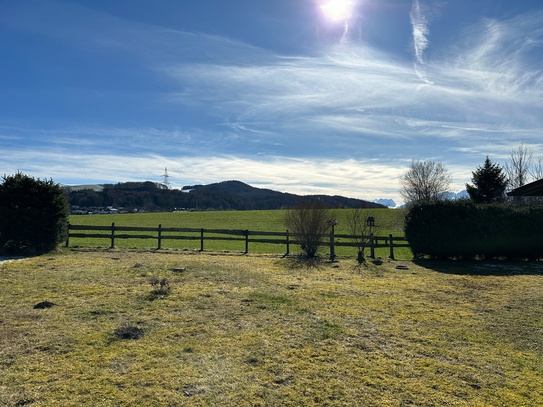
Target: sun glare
{"x": 337, "y": 10}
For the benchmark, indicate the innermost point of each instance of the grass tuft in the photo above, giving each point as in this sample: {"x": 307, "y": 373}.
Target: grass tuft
{"x": 161, "y": 286}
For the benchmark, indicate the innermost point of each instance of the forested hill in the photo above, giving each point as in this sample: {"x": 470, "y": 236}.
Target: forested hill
{"x": 227, "y": 195}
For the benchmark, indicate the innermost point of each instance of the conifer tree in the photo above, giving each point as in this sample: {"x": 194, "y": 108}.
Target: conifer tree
{"x": 489, "y": 183}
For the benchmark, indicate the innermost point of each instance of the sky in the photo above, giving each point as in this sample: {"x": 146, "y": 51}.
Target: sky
{"x": 333, "y": 97}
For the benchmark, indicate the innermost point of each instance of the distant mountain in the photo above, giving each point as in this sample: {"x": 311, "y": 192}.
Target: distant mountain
{"x": 455, "y": 195}
{"x": 249, "y": 197}
{"x": 386, "y": 202}
{"x": 462, "y": 194}
{"x": 450, "y": 196}
{"x": 227, "y": 195}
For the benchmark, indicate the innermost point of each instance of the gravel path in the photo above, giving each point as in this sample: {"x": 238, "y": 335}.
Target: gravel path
{"x": 10, "y": 258}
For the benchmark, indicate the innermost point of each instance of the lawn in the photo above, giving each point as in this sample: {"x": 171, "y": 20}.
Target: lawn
{"x": 260, "y": 330}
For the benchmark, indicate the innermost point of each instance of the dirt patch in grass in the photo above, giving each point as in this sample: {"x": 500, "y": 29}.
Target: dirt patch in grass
{"x": 263, "y": 330}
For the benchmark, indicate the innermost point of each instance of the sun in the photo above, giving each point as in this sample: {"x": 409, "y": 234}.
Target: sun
{"x": 337, "y": 10}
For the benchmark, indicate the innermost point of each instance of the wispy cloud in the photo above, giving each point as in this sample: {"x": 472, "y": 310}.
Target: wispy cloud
{"x": 501, "y": 57}
{"x": 421, "y": 31}
{"x": 356, "y": 91}
{"x": 419, "y": 25}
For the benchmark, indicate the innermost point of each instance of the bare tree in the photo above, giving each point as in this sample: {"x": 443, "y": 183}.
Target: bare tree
{"x": 519, "y": 166}
{"x": 425, "y": 181}
{"x": 309, "y": 222}
{"x": 537, "y": 168}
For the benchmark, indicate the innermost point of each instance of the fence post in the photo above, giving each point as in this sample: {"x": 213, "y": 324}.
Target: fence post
{"x": 332, "y": 244}
{"x": 246, "y": 241}
{"x": 112, "y": 235}
{"x": 159, "y": 236}
{"x": 68, "y": 237}
{"x": 202, "y": 240}
{"x": 372, "y": 246}
{"x": 288, "y": 244}
{"x": 391, "y": 246}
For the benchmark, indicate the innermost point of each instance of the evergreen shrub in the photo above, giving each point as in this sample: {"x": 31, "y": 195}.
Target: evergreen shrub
{"x": 462, "y": 229}
{"x": 33, "y": 215}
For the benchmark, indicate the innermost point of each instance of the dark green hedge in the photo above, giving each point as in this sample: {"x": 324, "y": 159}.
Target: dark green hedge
{"x": 33, "y": 215}
{"x": 461, "y": 229}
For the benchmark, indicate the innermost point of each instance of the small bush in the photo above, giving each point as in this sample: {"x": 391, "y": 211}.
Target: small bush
{"x": 309, "y": 223}
{"x": 161, "y": 286}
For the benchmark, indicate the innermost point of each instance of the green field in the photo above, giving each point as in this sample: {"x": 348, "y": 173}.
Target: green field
{"x": 255, "y": 330}
{"x": 388, "y": 221}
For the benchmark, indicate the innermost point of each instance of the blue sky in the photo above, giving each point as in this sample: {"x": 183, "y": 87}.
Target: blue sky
{"x": 292, "y": 95}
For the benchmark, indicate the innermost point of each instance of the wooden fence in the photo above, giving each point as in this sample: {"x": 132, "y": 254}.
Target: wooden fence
{"x": 161, "y": 234}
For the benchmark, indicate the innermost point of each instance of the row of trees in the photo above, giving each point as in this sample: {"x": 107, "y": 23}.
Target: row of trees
{"x": 428, "y": 181}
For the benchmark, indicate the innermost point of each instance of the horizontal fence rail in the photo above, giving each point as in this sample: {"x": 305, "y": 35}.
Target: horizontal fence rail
{"x": 114, "y": 232}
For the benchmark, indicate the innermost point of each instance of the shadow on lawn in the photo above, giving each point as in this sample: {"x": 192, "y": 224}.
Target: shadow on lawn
{"x": 304, "y": 262}
{"x": 483, "y": 268}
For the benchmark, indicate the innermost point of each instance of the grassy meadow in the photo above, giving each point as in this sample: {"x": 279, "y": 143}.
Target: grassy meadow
{"x": 388, "y": 221}
{"x": 262, "y": 330}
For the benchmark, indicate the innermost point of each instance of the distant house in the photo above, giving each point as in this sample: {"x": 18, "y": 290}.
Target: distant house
{"x": 93, "y": 187}
{"x": 532, "y": 189}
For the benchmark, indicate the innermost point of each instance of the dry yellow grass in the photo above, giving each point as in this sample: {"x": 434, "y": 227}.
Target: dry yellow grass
{"x": 267, "y": 331}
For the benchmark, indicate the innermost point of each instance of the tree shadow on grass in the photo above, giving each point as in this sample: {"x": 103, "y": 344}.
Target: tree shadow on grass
{"x": 482, "y": 267}
{"x": 303, "y": 262}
